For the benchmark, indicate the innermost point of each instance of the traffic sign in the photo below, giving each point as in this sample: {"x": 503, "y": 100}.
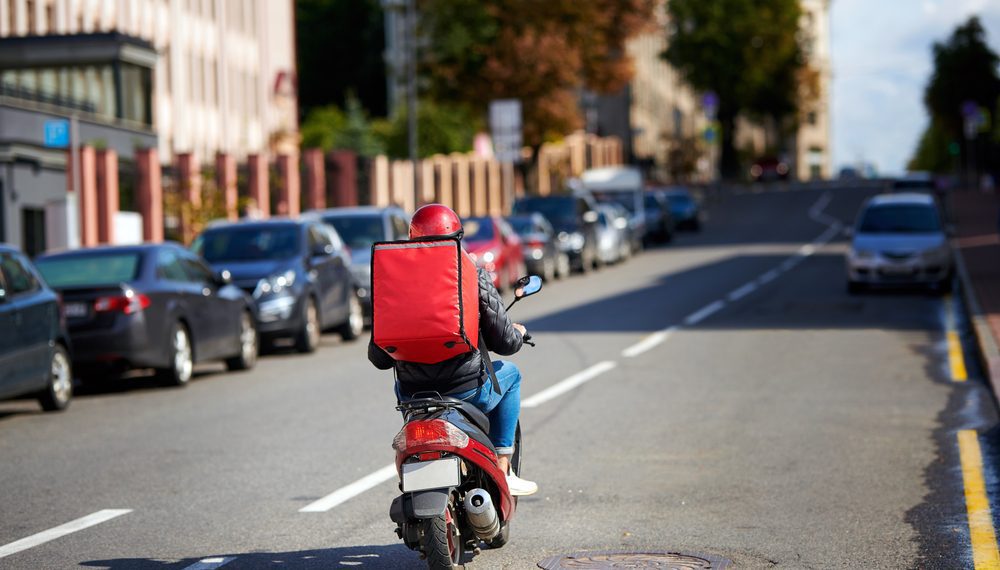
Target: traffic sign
{"x": 505, "y": 127}
{"x": 57, "y": 133}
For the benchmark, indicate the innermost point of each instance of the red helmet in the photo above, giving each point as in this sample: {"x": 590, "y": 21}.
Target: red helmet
{"x": 434, "y": 220}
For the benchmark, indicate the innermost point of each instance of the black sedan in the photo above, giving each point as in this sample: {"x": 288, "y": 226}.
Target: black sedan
{"x": 297, "y": 271}
{"x": 34, "y": 346}
{"x": 542, "y": 255}
{"x": 150, "y": 306}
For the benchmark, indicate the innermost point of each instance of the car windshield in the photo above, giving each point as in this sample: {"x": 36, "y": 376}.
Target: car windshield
{"x": 478, "y": 229}
{"x": 85, "y": 270}
{"x": 358, "y": 232}
{"x": 900, "y": 219}
{"x": 558, "y": 210}
{"x": 523, "y": 226}
{"x": 626, "y": 199}
{"x": 254, "y": 243}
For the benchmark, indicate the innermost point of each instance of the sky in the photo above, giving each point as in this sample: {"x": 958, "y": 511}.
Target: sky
{"x": 881, "y": 56}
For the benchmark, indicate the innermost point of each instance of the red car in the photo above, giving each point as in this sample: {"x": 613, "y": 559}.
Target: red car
{"x": 769, "y": 168}
{"x": 495, "y": 247}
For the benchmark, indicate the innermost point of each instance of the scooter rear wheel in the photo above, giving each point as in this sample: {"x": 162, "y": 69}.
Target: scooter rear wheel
{"x": 441, "y": 542}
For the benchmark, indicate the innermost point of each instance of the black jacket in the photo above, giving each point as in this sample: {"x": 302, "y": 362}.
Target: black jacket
{"x": 466, "y": 371}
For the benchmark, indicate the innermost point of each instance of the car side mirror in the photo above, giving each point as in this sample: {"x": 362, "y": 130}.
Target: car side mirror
{"x": 590, "y": 217}
{"x": 322, "y": 250}
{"x": 3, "y": 296}
{"x": 223, "y": 278}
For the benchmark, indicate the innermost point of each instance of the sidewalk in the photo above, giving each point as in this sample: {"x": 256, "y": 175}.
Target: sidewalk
{"x": 978, "y": 247}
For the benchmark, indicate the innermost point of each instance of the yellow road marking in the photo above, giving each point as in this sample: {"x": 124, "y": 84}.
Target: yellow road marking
{"x": 981, "y": 532}
{"x": 956, "y": 358}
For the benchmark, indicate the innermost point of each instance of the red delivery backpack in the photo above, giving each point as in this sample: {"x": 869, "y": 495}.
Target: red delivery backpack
{"x": 425, "y": 299}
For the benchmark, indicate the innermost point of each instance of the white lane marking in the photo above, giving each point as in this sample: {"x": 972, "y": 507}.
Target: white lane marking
{"x": 704, "y": 312}
{"x": 61, "y": 530}
{"x": 568, "y": 384}
{"x": 807, "y": 250}
{"x": 211, "y": 563}
{"x": 742, "y": 291}
{"x": 768, "y": 277}
{"x": 648, "y": 343}
{"x": 350, "y": 491}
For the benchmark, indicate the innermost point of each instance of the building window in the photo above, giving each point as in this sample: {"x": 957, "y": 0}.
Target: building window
{"x": 811, "y": 118}
{"x": 815, "y": 161}
{"x": 33, "y": 231}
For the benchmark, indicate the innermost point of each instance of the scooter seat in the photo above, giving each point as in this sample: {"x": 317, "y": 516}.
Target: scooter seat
{"x": 474, "y": 414}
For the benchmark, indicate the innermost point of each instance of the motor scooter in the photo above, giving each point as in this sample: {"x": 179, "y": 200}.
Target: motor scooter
{"x": 454, "y": 496}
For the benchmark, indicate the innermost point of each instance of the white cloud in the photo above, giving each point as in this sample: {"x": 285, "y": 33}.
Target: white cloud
{"x": 881, "y": 55}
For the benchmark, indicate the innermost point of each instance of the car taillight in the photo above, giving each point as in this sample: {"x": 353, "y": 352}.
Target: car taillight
{"x": 429, "y": 432}
{"x": 536, "y": 243}
{"x": 128, "y": 303}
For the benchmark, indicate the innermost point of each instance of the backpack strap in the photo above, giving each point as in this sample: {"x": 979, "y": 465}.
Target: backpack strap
{"x": 488, "y": 363}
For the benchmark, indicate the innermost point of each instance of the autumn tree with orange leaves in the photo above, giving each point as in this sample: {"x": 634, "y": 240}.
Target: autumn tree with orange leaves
{"x": 541, "y": 52}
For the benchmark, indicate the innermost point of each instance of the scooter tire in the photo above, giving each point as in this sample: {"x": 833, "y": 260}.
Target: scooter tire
{"x": 443, "y": 551}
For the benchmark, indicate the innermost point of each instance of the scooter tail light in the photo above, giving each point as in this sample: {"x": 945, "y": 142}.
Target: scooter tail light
{"x": 429, "y": 432}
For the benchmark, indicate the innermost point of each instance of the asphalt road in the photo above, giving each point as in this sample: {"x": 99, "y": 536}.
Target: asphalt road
{"x": 739, "y": 404}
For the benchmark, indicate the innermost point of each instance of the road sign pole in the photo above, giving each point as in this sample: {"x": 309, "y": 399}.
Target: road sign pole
{"x": 72, "y": 212}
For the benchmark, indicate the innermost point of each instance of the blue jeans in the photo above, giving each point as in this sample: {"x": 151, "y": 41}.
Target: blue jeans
{"x": 503, "y": 409}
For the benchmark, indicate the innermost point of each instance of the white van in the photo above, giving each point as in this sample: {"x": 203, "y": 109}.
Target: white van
{"x": 621, "y": 185}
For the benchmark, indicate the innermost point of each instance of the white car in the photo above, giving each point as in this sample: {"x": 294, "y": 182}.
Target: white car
{"x": 899, "y": 239}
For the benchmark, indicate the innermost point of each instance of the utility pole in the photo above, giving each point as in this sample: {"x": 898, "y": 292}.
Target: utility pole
{"x": 411, "y": 95}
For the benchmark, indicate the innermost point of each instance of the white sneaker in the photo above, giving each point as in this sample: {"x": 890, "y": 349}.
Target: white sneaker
{"x": 520, "y": 487}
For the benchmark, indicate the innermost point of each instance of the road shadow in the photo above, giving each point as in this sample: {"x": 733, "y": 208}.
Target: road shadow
{"x": 374, "y": 557}
{"x": 819, "y": 300}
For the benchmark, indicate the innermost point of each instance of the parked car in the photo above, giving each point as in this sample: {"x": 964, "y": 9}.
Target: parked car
{"x": 621, "y": 185}
{"x": 542, "y": 255}
{"x": 660, "y": 225}
{"x": 495, "y": 247}
{"x": 34, "y": 345}
{"x": 769, "y": 168}
{"x": 611, "y": 235}
{"x": 684, "y": 208}
{"x": 150, "y": 306}
{"x": 297, "y": 271}
{"x": 359, "y": 228}
{"x": 914, "y": 182}
{"x": 574, "y": 220}
{"x": 899, "y": 240}
{"x": 621, "y": 219}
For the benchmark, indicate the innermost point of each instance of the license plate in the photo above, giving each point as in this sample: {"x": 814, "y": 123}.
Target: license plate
{"x": 424, "y": 475}
{"x": 897, "y": 270}
{"x": 75, "y": 310}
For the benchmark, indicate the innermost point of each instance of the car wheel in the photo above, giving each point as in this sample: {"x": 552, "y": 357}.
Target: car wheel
{"x": 351, "y": 329}
{"x": 549, "y": 270}
{"x": 59, "y": 390}
{"x": 853, "y": 287}
{"x": 308, "y": 338}
{"x": 181, "y": 357}
{"x": 249, "y": 345}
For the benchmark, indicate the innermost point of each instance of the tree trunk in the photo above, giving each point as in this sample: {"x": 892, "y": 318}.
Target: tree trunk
{"x": 729, "y": 161}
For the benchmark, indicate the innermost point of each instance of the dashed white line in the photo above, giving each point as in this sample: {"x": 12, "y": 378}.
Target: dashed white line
{"x": 768, "y": 277}
{"x": 568, "y": 384}
{"x": 350, "y": 491}
{"x": 648, "y": 343}
{"x": 743, "y": 291}
{"x": 704, "y": 312}
{"x": 211, "y": 563}
{"x": 61, "y": 530}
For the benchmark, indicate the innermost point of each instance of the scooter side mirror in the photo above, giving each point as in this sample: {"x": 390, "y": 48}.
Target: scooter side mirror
{"x": 527, "y": 286}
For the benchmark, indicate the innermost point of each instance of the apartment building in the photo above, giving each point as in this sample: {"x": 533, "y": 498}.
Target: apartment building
{"x": 180, "y": 76}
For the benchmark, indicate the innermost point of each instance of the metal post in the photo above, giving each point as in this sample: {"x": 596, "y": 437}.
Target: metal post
{"x": 72, "y": 209}
{"x": 411, "y": 94}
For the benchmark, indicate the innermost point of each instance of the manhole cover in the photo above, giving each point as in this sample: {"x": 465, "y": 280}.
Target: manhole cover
{"x": 628, "y": 559}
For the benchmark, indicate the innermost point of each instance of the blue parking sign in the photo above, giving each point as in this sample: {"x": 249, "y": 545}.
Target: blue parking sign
{"x": 57, "y": 133}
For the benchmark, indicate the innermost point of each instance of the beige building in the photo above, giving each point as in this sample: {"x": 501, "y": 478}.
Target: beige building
{"x": 223, "y": 78}
{"x": 667, "y": 117}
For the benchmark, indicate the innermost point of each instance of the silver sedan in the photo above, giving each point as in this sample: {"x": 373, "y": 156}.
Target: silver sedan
{"x": 899, "y": 240}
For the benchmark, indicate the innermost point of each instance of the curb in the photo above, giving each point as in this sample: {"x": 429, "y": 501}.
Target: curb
{"x": 989, "y": 353}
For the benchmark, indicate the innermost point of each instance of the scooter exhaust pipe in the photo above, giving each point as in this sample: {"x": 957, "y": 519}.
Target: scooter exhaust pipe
{"x": 482, "y": 514}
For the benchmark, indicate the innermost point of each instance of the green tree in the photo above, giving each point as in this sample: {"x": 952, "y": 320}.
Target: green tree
{"x": 933, "y": 153}
{"x": 542, "y": 53}
{"x": 745, "y": 51}
{"x": 339, "y": 45}
{"x": 965, "y": 70}
{"x": 441, "y": 129}
{"x": 331, "y": 128}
